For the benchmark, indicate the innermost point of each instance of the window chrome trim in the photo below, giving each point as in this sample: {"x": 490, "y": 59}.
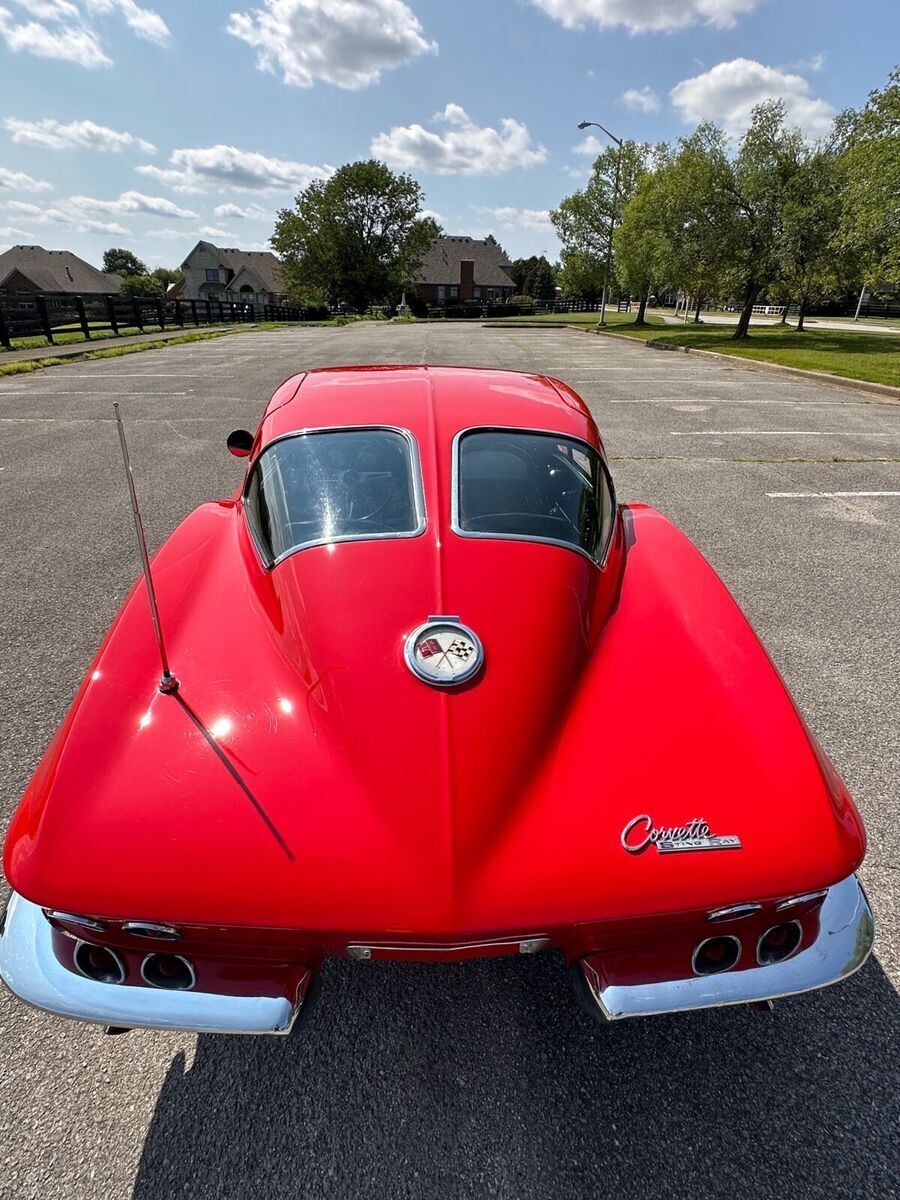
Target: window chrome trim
{"x": 415, "y": 467}
{"x": 524, "y": 537}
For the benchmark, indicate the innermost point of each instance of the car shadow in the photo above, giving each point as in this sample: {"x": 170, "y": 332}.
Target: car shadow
{"x": 485, "y": 1079}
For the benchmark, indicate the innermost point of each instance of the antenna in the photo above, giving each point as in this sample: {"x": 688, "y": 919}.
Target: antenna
{"x": 168, "y": 684}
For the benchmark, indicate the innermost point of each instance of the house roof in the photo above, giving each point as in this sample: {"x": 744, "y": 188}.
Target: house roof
{"x": 56, "y": 271}
{"x": 266, "y": 267}
{"x": 441, "y": 263}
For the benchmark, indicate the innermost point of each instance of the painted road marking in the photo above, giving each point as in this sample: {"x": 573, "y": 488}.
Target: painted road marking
{"x": 822, "y": 495}
{"x": 778, "y": 433}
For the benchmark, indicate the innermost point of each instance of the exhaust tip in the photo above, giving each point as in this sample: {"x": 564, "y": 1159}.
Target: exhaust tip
{"x": 171, "y": 972}
{"x": 99, "y": 963}
{"x": 716, "y": 954}
{"x": 778, "y": 943}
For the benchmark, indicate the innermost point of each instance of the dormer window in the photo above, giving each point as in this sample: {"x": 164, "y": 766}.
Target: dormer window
{"x": 212, "y": 274}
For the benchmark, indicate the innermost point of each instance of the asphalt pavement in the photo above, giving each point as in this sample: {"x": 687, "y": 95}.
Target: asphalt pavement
{"x": 477, "y": 1079}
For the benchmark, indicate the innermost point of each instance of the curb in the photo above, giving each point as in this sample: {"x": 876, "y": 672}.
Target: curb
{"x": 883, "y": 390}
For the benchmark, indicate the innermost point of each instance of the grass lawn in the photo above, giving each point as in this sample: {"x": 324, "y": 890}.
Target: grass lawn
{"x": 869, "y": 356}
{"x": 71, "y": 337}
{"x": 588, "y": 319}
{"x": 26, "y": 366}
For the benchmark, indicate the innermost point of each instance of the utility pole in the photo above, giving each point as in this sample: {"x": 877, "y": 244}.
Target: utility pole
{"x": 612, "y": 216}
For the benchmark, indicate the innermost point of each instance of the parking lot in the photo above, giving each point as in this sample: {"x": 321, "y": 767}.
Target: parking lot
{"x": 480, "y": 1079}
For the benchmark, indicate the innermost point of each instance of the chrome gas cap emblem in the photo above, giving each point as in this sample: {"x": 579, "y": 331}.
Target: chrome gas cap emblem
{"x": 444, "y": 652}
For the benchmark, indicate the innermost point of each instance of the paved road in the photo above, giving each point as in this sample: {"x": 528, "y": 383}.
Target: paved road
{"x": 482, "y": 1079}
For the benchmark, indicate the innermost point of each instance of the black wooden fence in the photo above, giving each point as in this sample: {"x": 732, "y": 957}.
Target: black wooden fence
{"x": 880, "y": 308}
{"x": 48, "y": 317}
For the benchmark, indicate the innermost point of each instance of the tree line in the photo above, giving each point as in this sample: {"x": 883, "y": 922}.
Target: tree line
{"x": 773, "y": 217}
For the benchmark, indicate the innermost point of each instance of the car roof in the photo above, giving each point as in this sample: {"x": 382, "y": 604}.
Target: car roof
{"x": 426, "y": 400}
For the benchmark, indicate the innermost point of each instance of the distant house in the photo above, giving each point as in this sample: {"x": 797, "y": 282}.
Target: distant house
{"x": 58, "y": 275}
{"x": 212, "y": 273}
{"x": 456, "y": 269}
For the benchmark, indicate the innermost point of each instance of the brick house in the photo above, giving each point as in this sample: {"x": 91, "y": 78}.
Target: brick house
{"x": 457, "y": 269}
{"x": 212, "y": 273}
{"x": 58, "y": 275}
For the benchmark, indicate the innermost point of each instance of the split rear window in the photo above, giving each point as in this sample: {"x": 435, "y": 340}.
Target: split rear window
{"x": 528, "y": 486}
{"x": 334, "y": 485}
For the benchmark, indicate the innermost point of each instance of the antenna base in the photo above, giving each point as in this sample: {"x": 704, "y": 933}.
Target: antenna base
{"x": 168, "y": 685}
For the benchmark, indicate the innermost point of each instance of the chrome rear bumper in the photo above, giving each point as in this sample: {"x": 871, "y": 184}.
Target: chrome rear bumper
{"x": 31, "y": 970}
{"x": 844, "y": 942}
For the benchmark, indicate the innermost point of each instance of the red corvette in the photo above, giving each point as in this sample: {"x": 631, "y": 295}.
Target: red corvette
{"x": 433, "y": 695}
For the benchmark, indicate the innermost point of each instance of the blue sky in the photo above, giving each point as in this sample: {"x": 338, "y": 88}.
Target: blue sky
{"x": 149, "y": 125}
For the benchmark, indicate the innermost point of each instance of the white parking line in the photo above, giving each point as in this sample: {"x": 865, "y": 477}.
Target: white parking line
{"x": 778, "y": 433}
{"x": 822, "y": 495}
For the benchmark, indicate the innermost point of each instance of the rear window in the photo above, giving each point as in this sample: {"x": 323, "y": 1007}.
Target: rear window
{"x": 331, "y": 486}
{"x": 534, "y": 487}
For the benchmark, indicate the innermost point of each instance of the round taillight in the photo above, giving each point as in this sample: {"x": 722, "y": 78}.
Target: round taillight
{"x": 99, "y": 963}
{"x": 715, "y": 954}
{"x": 169, "y": 971}
{"x": 778, "y": 943}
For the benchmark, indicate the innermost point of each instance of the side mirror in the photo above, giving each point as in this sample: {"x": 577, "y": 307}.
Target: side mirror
{"x": 239, "y": 442}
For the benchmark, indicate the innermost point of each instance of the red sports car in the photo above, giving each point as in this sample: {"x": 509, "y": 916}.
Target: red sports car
{"x": 434, "y": 694}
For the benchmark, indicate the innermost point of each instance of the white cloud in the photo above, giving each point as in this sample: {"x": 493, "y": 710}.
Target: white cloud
{"x": 590, "y": 147}
{"x": 435, "y": 216}
{"x": 18, "y": 181}
{"x": 58, "y": 216}
{"x": 82, "y": 135}
{"x": 344, "y": 42}
{"x": 65, "y": 31}
{"x": 642, "y": 16}
{"x": 641, "y": 99}
{"x": 74, "y": 43}
{"x": 143, "y": 21}
{"x": 521, "y": 218}
{"x": 728, "y": 92}
{"x": 214, "y": 232}
{"x": 50, "y": 10}
{"x": 465, "y": 149}
{"x": 132, "y": 202}
{"x": 170, "y": 235}
{"x": 10, "y": 231}
{"x": 193, "y": 170}
{"x": 253, "y": 212}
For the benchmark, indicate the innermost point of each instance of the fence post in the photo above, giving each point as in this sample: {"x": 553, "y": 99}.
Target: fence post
{"x": 82, "y": 318}
{"x": 4, "y": 332}
{"x": 194, "y": 314}
{"x": 160, "y": 315}
{"x": 179, "y": 314}
{"x": 41, "y": 305}
{"x": 111, "y": 313}
{"x": 208, "y": 311}
{"x": 138, "y": 313}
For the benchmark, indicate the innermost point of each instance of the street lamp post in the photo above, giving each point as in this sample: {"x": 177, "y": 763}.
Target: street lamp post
{"x": 615, "y": 204}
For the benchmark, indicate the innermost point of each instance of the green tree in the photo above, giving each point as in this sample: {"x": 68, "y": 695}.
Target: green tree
{"x": 642, "y": 241}
{"x": 725, "y": 210}
{"x": 166, "y": 275}
{"x": 582, "y": 220}
{"x": 117, "y": 261}
{"x": 356, "y": 237}
{"x": 581, "y": 274}
{"x": 870, "y": 219}
{"x": 534, "y": 277}
{"x": 813, "y": 261}
{"x": 142, "y": 285}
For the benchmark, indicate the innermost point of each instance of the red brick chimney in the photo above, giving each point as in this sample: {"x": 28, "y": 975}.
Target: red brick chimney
{"x": 467, "y": 279}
